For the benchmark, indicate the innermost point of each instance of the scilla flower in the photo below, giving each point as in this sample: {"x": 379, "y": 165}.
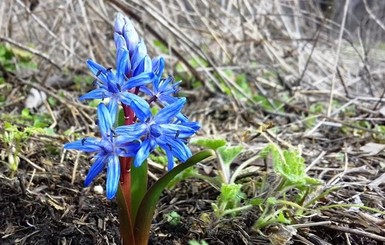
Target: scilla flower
{"x": 115, "y": 85}
{"x": 163, "y": 130}
{"x": 162, "y": 89}
{"x": 108, "y": 149}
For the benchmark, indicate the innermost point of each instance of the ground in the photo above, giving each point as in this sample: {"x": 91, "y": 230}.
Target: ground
{"x": 250, "y": 78}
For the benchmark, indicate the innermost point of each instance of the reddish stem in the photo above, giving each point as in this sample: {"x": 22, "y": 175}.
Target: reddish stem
{"x": 125, "y": 180}
{"x": 125, "y": 173}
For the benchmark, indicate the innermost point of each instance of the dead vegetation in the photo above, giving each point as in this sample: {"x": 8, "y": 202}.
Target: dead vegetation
{"x": 318, "y": 84}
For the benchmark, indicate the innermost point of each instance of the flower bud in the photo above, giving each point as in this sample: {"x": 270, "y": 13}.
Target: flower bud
{"x": 138, "y": 55}
{"x": 120, "y": 21}
{"x": 131, "y": 36}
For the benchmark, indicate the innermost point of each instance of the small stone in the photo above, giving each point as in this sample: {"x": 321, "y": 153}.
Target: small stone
{"x": 98, "y": 189}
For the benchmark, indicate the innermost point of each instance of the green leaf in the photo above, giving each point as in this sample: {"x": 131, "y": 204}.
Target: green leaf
{"x": 120, "y": 118}
{"x": 185, "y": 174}
{"x": 139, "y": 179}
{"x": 257, "y": 201}
{"x": 230, "y": 198}
{"x": 126, "y": 226}
{"x": 226, "y": 155}
{"x": 25, "y": 113}
{"x": 231, "y": 194}
{"x": 212, "y": 144}
{"x": 195, "y": 242}
{"x": 148, "y": 204}
{"x": 282, "y": 219}
{"x": 172, "y": 218}
{"x": 229, "y": 153}
{"x": 290, "y": 165}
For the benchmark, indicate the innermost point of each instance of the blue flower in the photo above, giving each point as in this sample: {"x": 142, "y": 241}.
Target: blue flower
{"x": 162, "y": 89}
{"x": 115, "y": 85}
{"x": 163, "y": 130}
{"x": 108, "y": 149}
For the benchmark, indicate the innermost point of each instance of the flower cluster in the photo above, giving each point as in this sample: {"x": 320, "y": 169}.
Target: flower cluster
{"x": 134, "y": 85}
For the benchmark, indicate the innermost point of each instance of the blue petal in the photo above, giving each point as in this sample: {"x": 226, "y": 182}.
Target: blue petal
{"x": 158, "y": 65}
{"x": 119, "y": 23}
{"x": 146, "y": 90}
{"x": 177, "y": 146}
{"x": 132, "y": 132}
{"x": 86, "y": 145}
{"x": 131, "y": 36}
{"x": 138, "y": 105}
{"x": 139, "y": 53}
{"x": 194, "y": 125}
{"x": 183, "y": 119}
{"x": 96, "y": 168}
{"x": 141, "y": 79}
{"x": 165, "y": 87}
{"x": 155, "y": 130}
{"x": 98, "y": 93}
{"x": 166, "y": 99}
{"x": 170, "y": 111}
{"x": 170, "y": 158}
{"x": 113, "y": 108}
{"x": 104, "y": 119}
{"x": 119, "y": 41}
{"x": 123, "y": 65}
{"x": 143, "y": 152}
{"x": 129, "y": 149}
{"x": 113, "y": 175}
{"x": 144, "y": 66}
{"x": 95, "y": 68}
{"x": 176, "y": 130}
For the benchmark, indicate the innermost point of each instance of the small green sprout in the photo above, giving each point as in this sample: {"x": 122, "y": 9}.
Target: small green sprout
{"x": 172, "y": 218}
{"x": 195, "y": 242}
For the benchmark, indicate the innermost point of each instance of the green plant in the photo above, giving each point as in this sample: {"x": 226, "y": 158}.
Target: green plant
{"x": 230, "y": 198}
{"x": 13, "y": 138}
{"x": 195, "y": 242}
{"x": 172, "y": 218}
{"x": 11, "y": 58}
{"x": 282, "y": 205}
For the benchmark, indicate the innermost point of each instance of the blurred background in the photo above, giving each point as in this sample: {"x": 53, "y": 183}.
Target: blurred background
{"x": 212, "y": 42}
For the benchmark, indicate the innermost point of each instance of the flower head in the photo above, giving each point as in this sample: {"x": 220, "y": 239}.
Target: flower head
{"x": 164, "y": 130}
{"x": 115, "y": 85}
{"x": 169, "y": 129}
{"x": 108, "y": 149}
{"x": 133, "y": 69}
{"x": 162, "y": 89}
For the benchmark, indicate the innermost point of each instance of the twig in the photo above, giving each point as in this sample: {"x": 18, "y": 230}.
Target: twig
{"x": 76, "y": 164}
{"x": 357, "y": 232}
{"x": 32, "y": 163}
{"x": 337, "y": 57}
{"x": 30, "y": 50}
{"x": 306, "y": 225}
{"x": 48, "y": 107}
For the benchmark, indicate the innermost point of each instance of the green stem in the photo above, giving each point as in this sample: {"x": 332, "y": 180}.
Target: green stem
{"x": 342, "y": 205}
{"x": 239, "y": 209}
